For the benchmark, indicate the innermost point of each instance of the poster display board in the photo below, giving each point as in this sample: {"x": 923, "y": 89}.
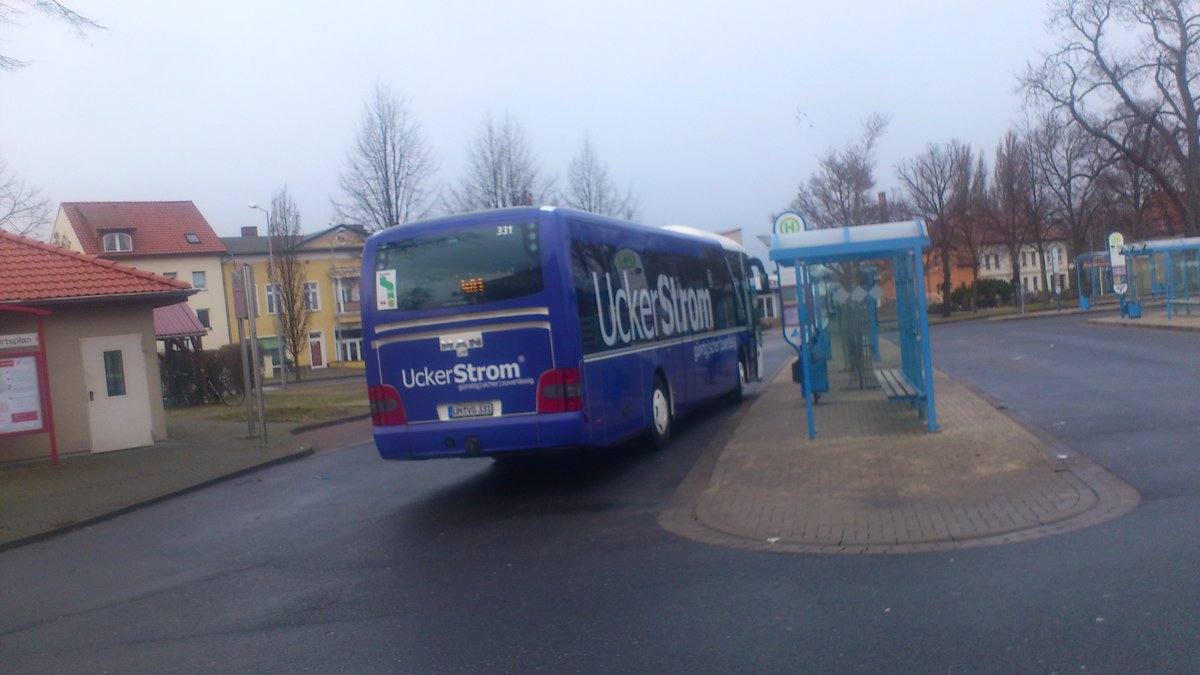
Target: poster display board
{"x": 20, "y": 395}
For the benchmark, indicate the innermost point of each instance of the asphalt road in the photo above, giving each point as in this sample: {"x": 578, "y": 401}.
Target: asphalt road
{"x": 346, "y": 563}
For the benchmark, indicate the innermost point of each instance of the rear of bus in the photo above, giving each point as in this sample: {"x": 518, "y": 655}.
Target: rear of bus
{"x": 468, "y": 349}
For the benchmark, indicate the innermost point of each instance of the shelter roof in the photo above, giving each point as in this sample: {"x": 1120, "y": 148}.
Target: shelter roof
{"x": 33, "y": 271}
{"x": 156, "y": 228}
{"x": 842, "y": 244}
{"x": 176, "y": 321}
{"x": 1157, "y": 245}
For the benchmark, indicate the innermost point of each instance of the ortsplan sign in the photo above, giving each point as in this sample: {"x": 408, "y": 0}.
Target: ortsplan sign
{"x": 18, "y": 340}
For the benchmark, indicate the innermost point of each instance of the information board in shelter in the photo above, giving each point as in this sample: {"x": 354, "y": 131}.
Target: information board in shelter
{"x": 20, "y": 396}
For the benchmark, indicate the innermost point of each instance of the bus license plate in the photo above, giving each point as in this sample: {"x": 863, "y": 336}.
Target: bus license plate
{"x": 479, "y": 409}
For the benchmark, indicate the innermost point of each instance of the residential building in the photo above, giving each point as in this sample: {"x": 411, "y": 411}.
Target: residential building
{"x": 332, "y": 260}
{"x": 78, "y": 366}
{"x": 996, "y": 264}
{"x": 171, "y": 239}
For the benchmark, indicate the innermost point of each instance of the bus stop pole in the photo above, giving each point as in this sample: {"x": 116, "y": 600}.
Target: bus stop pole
{"x": 802, "y": 292}
{"x": 926, "y": 351}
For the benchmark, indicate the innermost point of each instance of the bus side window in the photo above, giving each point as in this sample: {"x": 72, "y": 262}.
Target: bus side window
{"x": 589, "y": 262}
{"x": 717, "y": 278}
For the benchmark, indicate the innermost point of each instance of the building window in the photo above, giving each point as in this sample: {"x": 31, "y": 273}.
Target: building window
{"x": 170, "y": 275}
{"x": 312, "y": 296}
{"x": 199, "y": 280}
{"x": 349, "y": 343}
{"x": 348, "y": 295}
{"x": 202, "y": 315}
{"x": 987, "y": 262}
{"x": 1035, "y": 283}
{"x": 269, "y": 293}
{"x": 117, "y": 242}
{"x": 192, "y": 238}
{"x": 114, "y": 373}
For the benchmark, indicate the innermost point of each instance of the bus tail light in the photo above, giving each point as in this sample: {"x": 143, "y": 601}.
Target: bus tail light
{"x": 386, "y": 407}
{"x": 560, "y": 390}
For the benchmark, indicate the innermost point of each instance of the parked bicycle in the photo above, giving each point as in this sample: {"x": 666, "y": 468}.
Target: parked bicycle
{"x": 221, "y": 388}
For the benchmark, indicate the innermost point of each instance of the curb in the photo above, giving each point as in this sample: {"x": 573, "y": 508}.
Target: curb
{"x": 303, "y": 452}
{"x": 1132, "y": 323}
{"x": 329, "y": 423}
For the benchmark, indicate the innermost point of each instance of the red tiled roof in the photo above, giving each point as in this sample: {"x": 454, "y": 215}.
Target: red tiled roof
{"x": 34, "y": 271}
{"x": 157, "y": 228}
{"x": 176, "y": 320}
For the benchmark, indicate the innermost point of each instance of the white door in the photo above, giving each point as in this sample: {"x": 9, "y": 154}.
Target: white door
{"x": 114, "y": 371}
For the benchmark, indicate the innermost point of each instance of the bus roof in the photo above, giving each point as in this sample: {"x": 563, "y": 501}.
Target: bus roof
{"x": 725, "y": 242}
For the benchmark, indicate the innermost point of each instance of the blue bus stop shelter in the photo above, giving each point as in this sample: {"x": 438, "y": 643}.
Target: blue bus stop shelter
{"x": 1171, "y": 268}
{"x": 900, "y": 244}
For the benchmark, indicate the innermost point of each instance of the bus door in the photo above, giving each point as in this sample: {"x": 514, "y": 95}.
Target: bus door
{"x": 756, "y": 280}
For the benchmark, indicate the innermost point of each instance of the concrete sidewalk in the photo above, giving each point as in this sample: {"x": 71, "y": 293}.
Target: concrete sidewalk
{"x": 39, "y": 500}
{"x": 1154, "y": 318}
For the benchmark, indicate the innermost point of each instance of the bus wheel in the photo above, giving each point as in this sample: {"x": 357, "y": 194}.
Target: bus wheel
{"x": 660, "y": 414}
{"x": 743, "y": 378}
{"x": 735, "y": 394}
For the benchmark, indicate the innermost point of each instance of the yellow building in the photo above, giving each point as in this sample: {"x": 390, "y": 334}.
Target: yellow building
{"x": 331, "y": 261}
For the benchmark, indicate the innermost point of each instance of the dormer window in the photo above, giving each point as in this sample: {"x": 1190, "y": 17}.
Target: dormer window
{"x": 117, "y": 242}
{"x": 192, "y": 238}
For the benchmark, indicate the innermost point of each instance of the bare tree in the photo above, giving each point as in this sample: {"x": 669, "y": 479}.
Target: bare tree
{"x": 842, "y": 191}
{"x": 1071, "y": 167}
{"x": 22, "y": 208}
{"x": 386, "y": 180}
{"x": 500, "y": 170}
{"x": 592, "y": 190}
{"x": 295, "y": 313}
{"x": 973, "y": 228}
{"x": 55, "y": 10}
{"x": 1108, "y": 88}
{"x": 1008, "y": 210}
{"x": 939, "y": 187}
{"x": 1037, "y": 203}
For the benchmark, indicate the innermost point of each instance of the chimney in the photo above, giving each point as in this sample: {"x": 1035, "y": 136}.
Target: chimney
{"x": 883, "y": 210}
{"x": 250, "y": 231}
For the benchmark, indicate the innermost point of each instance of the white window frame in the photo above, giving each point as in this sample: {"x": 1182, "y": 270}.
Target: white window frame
{"x": 347, "y": 291}
{"x": 345, "y": 346}
{"x": 203, "y": 278}
{"x": 270, "y": 299}
{"x": 117, "y": 242}
{"x": 312, "y": 296}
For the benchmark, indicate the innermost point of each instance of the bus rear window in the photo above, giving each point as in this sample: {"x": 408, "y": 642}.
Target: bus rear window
{"x": 470, "y": 267}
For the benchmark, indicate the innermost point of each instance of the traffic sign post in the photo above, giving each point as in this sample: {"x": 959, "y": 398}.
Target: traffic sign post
{"x": 1054, "y": 276}
{"x": 1116, "y": 261}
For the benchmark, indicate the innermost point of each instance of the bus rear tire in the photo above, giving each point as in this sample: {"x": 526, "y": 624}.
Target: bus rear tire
{"x": 738, "y": 392}
{"x": 660, "y": 414}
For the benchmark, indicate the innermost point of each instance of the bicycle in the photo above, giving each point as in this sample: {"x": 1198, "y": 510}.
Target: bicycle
{"x": 222, "y": 388}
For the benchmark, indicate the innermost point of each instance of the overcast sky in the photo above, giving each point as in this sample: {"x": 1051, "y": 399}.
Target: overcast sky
{"x": 693, "y": 104}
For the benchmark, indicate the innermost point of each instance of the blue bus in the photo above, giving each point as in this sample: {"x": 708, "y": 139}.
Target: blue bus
{"x": 529, "y": 330}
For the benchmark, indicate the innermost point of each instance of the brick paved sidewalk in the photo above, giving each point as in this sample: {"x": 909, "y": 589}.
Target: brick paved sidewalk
{"x": 875, "y": 481}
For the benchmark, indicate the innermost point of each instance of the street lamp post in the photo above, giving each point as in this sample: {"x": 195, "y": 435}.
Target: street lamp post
{"x": 277, "y": 295}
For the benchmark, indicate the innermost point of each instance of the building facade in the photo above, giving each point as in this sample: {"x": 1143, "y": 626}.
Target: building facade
{"x": 171, "y": 239}
{"x": 331, "y": 261}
